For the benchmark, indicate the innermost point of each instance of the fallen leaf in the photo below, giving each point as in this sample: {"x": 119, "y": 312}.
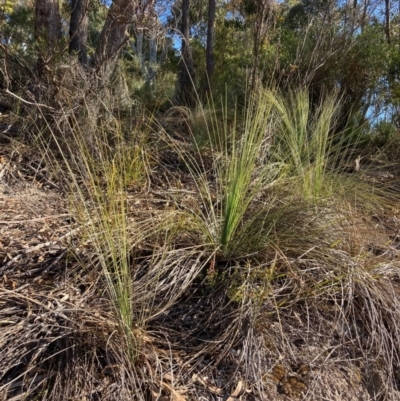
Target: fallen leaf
{"x": 237, "y": 392}
{"x": 175, "y": 395}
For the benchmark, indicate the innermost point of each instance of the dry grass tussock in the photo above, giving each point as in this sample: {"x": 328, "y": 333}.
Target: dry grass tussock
{"x": 143, "y": 291}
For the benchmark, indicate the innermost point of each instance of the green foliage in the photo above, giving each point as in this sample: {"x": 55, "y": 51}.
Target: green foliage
{"x": 296, "y": 18}
{"x": 230, "y": 218}
{"x": 7, "y": 7}
{"x": 18, "y": 29}
{"x": 97, "y": 16}
{"x": 303, "y": 138}
{"x": 232, "y": 59}
{"x": 243, "y": 178}
{"x": 153, "y": 95}
{"x": 383, "y": 133}
{"x": 301, "y": 145}
{"x": 98, "y": 199}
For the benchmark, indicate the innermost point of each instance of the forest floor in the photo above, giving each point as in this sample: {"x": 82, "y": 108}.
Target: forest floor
{"x": 46, "y": 298}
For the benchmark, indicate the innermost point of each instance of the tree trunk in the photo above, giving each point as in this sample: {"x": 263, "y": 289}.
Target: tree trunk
{"x": 353, "y": 17}
{"x": 387, "y": 20}
{"x": 210, "y": 41}
{"x": 186, "y": 79}
{"x": 258, "y": 37}
{"x": 47, "y": 31}
{"x": 78, "y": 29}
{"x": 364, "y": 15}
{"x": 114, "y": 36}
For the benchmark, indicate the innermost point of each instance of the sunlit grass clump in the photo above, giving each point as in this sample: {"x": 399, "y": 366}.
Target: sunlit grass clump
{"x": 276, "y": 150}
{"x": 306, "y": 141}
{"x": 100, "y": 165}
{"x": 229, "y": 216}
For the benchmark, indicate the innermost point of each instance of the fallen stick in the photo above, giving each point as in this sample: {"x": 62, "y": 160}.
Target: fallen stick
{"x": 33, "y": 220}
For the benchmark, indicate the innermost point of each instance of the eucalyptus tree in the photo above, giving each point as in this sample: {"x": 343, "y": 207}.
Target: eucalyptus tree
{"x": 149, "y": 40}
{"x": 210, "y": 39}
{"x": 47, "y": 31}
{"x": 114, "y": 35}
{"x": 121, "y": 16}
{"x": 256, "y": 13}
{"x": 78, "y": 29}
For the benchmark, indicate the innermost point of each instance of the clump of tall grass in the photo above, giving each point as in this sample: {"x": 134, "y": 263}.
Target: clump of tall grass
{"x": 230, "y": 215}
{"x": 101, "y": 169}
{"x": 304, "y": 138}
{"x": 277, "y": 142}
{"x": 99, "y": 174}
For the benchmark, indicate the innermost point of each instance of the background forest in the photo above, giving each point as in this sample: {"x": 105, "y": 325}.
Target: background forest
{"x": 199, "y": 200}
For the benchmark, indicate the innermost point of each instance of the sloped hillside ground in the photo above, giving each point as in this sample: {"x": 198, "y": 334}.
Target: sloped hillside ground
{"x": 337, "y": 339}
